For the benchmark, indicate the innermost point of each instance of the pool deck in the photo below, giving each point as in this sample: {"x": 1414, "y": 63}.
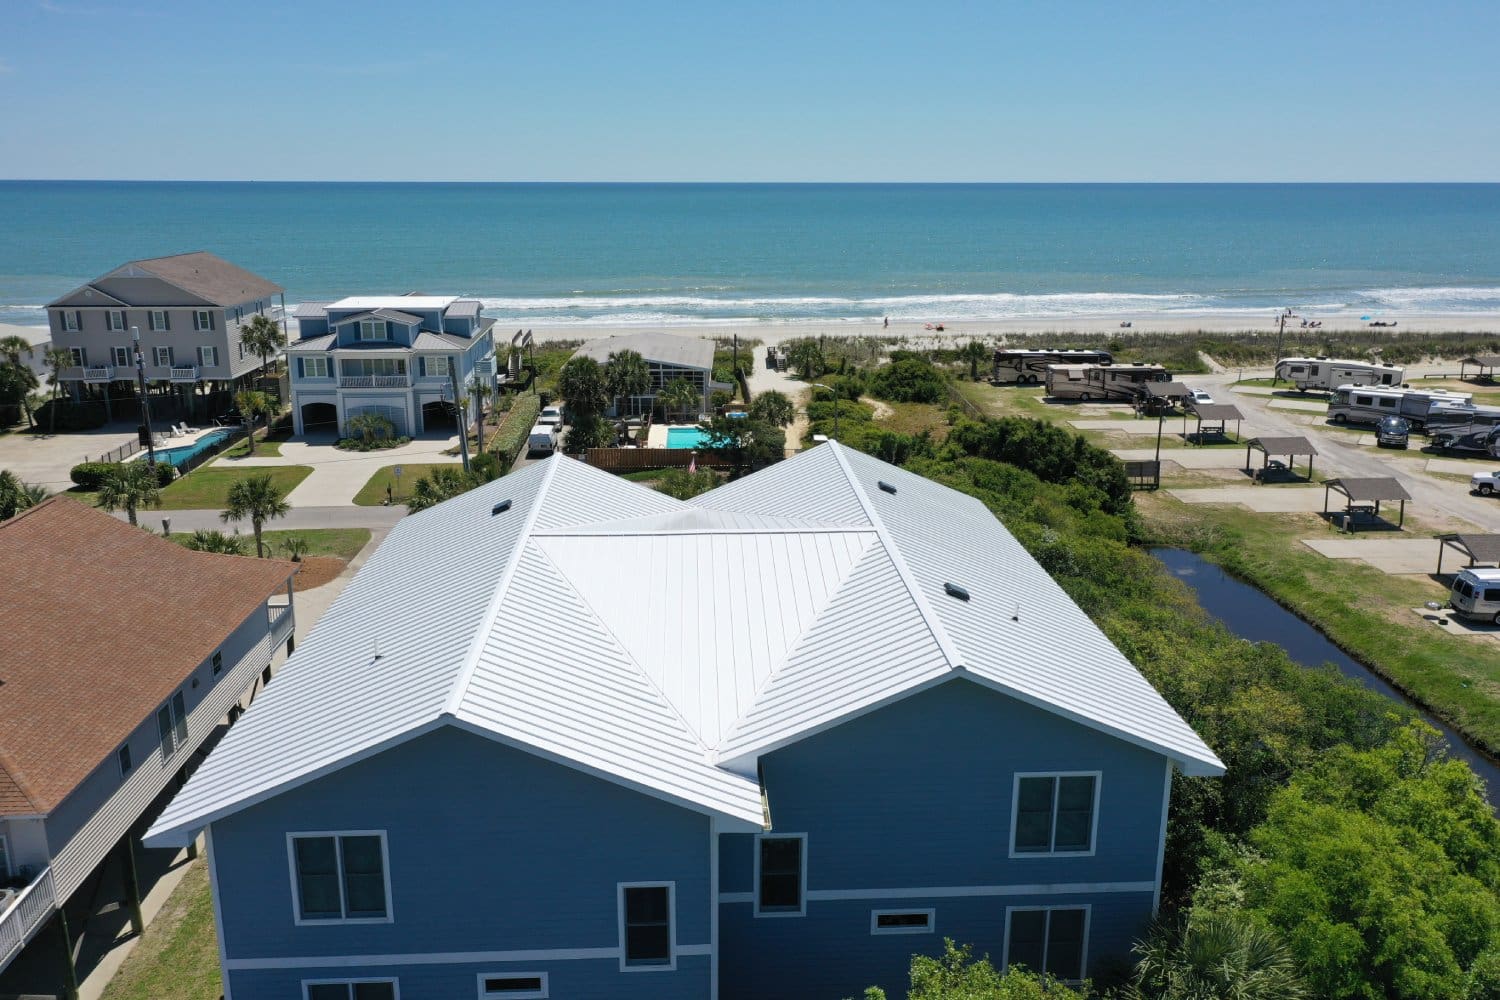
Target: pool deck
{"x": 657, "y": 437}
{"x": 182, "y": 440}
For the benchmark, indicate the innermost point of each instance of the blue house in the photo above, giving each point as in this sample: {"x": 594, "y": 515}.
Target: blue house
{"x": 564, "y": 736}
{"x": 404, "y": 357}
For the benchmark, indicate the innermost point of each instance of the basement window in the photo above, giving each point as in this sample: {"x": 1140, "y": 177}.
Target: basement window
{"x": 513, "y": 986}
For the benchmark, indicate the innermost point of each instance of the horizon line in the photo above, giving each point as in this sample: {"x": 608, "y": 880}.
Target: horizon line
{"x": 787, "y": 183}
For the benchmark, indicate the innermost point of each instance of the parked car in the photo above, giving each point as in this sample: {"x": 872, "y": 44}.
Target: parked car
{"x": 551, "y": 415}
{"x": 1392, "y": 432}
{"x": 543, "y": 438}
{"x": 1476, "y": 594}
{"x": 1485, "y": 483}
{"x": 1198, "y": 396}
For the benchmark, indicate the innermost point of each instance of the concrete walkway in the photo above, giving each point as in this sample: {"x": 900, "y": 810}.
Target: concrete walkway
{"x": 760, "y": 379}
{"x": 1262, "y": 499}
{"x": 1389, "y": 555}
{"x": 338, "y": 475}
{"x": 1307, "y": 406}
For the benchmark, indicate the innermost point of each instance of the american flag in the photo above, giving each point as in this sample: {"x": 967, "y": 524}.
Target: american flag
{"x": 693, "y": 464}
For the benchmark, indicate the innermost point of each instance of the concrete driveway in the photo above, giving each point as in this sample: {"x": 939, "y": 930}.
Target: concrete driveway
{"x": 338, "y": 475}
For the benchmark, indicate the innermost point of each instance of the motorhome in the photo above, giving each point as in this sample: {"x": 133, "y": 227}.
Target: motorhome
{"x": 1463, "y": 428}
{"x": 1018, "y": 366}
{"x": 1476, "y": 594}
{"x": 1369, "y": 404}
{"x": 1107, "y": 381}
{"x": 1329, "y": 373}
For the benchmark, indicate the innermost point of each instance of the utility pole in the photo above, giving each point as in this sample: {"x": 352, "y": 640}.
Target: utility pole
{"x": 463, "y": 423}
{"x": 1281, "y": 317}
{"x": 140, "y": 381}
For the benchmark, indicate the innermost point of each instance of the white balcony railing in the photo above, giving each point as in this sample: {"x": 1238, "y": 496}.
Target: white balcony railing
{"x": 374, "y": 382}
{"x": 280, "y": 616}
{"x": 184, "y": 373}
{"x": 25, "y": 915}
{"x": 99, "y": 373}
{"x": 485, "y": 367}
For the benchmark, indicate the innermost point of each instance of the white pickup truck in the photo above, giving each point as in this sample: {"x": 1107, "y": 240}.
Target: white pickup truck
{"x": 1485, "y": 483}
{"x": 543, "y": 438}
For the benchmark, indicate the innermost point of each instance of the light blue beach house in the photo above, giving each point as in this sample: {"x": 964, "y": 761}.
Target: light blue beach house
{"x": 394, "y": 355}
{"x": 564, "y": 736}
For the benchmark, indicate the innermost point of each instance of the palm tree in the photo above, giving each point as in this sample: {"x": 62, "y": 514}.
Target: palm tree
{"x": 262, "y": 336}
{"x": 16, "y": 496}
{"x": 626, "y": 375}
{"x": 772, "y": 407}
{"x": 129, "y": 485}
{"x": 1216, "y": 955}
{"x": 296, "y": 547}
{"x": 680, "y": 395}
{"x": 204, "y": 540}
{"x": 582, "y": 384}
{"x": 257, "y": 498}
{"x": 252, "y": 403}
{"x": 57, "y": 359}
{"x": 438, "y": 485}
{"x": 17, "y": 380}
{"x": 974, "y": 352}
{"x": 807, "y": 357}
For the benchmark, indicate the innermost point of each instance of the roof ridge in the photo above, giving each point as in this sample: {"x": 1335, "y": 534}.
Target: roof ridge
{"x": 487, "y": 623}
{"x": 898, "y": 559}
{"x": 671, "y": 705}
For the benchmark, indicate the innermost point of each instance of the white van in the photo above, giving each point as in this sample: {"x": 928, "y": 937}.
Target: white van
{"x": 1329, "y": 373}
{"x": 543, "y": 438}
{"x": 1476, "y": 594}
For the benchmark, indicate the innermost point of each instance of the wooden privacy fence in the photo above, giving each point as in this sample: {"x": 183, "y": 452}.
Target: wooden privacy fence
{"x": 641, "y": 459}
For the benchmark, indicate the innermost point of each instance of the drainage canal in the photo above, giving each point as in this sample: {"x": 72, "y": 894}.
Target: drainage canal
{"x": 1252, "y": 615}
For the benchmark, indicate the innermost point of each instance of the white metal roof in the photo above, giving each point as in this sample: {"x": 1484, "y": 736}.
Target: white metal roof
{"x": 399, "y": 302}
{"x": 667, "y": 348}
{"x": 665, "y": 645}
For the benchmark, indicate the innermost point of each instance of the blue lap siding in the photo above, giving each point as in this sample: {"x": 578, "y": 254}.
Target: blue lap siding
{"x": 491, "y": 850}
{"x": 917, "y": 796}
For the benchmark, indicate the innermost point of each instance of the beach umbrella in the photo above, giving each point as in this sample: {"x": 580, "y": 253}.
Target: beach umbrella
{"x": 1364, "y": 319}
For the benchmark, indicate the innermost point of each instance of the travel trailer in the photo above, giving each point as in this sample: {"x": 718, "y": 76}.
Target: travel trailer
{"x": 1368, "y": 404}
{"x": 1329, "y": 373}
{"x": 1029, "y": 367}
{"x": 1476, "y": 594}
{"x": 1108, "y": 381}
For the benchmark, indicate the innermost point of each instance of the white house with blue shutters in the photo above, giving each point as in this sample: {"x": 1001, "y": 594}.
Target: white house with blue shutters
{"x": 393, "y": 355}
{"x": 565, "y": 736}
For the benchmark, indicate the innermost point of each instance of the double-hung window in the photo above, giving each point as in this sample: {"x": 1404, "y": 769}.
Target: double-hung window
{"x": 79, "y": 356}
{"x": 208, "y": 357}
{"x": 313, "y": 367}
{"x": 1054, "y": 813}
{"x": 435, "y": 366}
{"x": 372, "y": 329}
{"x": 164, "y": 357}
{"x": 647, "y": 940}
{"x": 351, "y": 989}
{"x": 339, "y": 877}
{"x": 157, "y": 320}
{"x": 781, "y": 875}
{"x": 1047, "y": 940}
{"x": 171, "y": 725}
{"x": 72, "y": 319}
{"x": 203, "y": 319}
{"x": 114, "y": 319}
{"x": 122, "y": 356}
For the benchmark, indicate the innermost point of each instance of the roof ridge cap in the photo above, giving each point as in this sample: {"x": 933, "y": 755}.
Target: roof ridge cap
{"x": 898, "y": 559}
{"x": 486, "y": 624}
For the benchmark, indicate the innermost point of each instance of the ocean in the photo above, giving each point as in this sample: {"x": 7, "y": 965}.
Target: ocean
{"x": 662, "y": 254}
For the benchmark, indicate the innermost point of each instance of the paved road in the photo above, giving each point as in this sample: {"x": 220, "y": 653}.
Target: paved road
{"x": 298, "y": 518}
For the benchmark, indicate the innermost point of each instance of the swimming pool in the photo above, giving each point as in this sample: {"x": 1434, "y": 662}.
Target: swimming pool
{"x": 686, "y": 437}
{"x": 176, "y": 456}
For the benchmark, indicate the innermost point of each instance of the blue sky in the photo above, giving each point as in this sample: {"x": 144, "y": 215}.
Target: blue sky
{"x": 744, "y": 90}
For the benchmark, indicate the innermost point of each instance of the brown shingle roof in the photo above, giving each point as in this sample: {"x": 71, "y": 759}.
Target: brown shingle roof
{"x": 206, "y": 275}
{"x": 103, "y": 622}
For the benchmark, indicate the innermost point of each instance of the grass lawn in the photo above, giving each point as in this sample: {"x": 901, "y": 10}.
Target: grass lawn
{"x": 372, "y": 493}
{"x": 1363, "y": 610}
{"x": 263, "y": 449}
{"x": 207, "y": 488}
{"x": 178, "y": 956}
{"x": 342, "y": 543}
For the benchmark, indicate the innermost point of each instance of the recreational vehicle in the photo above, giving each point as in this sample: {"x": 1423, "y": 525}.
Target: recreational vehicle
{"x": 1479, "y": 430}
{"x": 1329, "y": 373}
{"x": 1103, "y": 381}
{"x": 1028, "y": 367}
{"x": 1476, "y": 594}
{"x": 1368, "y": 404}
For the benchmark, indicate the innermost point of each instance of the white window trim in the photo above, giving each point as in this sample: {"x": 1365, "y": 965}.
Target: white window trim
{"x": 540, "y": 994}
{"x": 801, "y": 910}
{"x": 70, "y": 320}
{"x": 1088, "y": 920}
{"x": 1015, "y": 802}
{"x": 116, "y": 353}
{"x": 671, "y": 964}
{"x": 364, "y": 324}
{"x": 155, "y": 315}
{"x": 931, "y": 927}
{"x": 156, "y": 355}
{"x": 385, "y": 871}
{"x": 199, "y": 315}
{"x": 395, "y": 984}
{"x": 109, "y": 320}
{"x": 208, "y": 356}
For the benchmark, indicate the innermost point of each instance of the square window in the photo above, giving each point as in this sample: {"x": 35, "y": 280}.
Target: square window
{"x": 780, "y": 875}
{"x": 339, "y": 876}
{"x": 1048, "y": 941}
{"x": 646, "y": 925}
{"x": 1054, "y": 814}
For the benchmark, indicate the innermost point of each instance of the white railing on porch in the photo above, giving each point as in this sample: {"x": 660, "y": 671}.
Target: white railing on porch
{"x": 184, "y": 373}
{"x": 99, "y": 373}
{"x": 281, "y": 621}
{"x": 373, "y": 382}
{"x": 26, "y": 914}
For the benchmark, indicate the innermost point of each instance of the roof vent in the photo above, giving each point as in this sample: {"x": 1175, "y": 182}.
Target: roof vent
{"x": 954, "y": 590}
{"x": 500, "y": 508}
{"x": 888, "y": 487}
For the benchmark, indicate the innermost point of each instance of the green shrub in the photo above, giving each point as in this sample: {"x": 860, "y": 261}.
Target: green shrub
{"x": 684, "y": 485}
{"x": 511, "y": 436}
{"x": 911, "y": 379}
{"x": 165, "y": 473}
{"x": 90, "y": 475}
{"x": 485, "y": 467}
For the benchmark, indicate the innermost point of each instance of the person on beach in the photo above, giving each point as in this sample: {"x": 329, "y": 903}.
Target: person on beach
{"x": 886, "y": 323}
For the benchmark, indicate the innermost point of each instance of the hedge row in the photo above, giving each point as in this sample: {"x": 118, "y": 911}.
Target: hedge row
{"x": 91, "y": 475}
{"x": 516, "y": 428}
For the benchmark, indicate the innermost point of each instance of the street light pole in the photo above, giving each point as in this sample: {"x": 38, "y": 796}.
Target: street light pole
{"x": 1282, "y": 317}
{"x": 820, "y": 385}
{"x": 140, "y": 381}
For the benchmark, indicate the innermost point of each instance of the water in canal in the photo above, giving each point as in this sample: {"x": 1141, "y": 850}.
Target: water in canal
{"x": 1252, "y": 615}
